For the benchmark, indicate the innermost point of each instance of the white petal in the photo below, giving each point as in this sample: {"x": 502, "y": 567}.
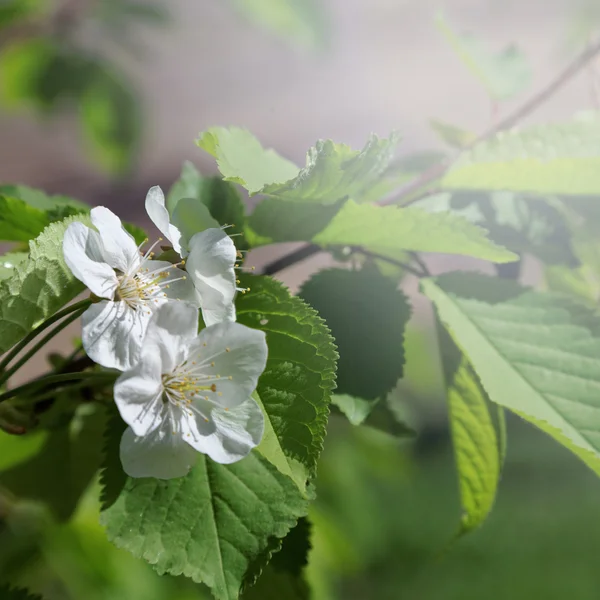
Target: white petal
{"x": 119, "y": 248}
{"x": 170, "y": 331}
{"x": 225, "y": 313}
{"x": 235, "y": 432}
{"x": 210, "y": 266}
{"x": 239, "y": 355}
{"x": 138, "y": 394}
{"x": 159, "y": 454}
{"x": 180, "y": 284}
{"x": 83, "y": 254}
{"x": 112, "y": 334}
{"x": 158, "y": 213}
{"x": 191, "y": 216}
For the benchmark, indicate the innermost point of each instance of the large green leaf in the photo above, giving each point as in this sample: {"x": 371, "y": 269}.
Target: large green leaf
{"x": 38, "y": 199}
{"x": 296, "y": 385}
{"x": 543, "y": 159}
{"x": 332, "y": 172}
{"x": 20, "y": 222}
{"x": 242, "y": 159}
{"x": 37, "y": 290}
{"x": 503, "y": 75}
{"x": 359, "y": 306}
{"x": 477, "y": 441}
{"x": 389, "y": 230}
{"x": 210, "y": 525}
{"x": 537, "y": 354}
{"x": 10, "y": 262}
{"x": 299, "y": 21}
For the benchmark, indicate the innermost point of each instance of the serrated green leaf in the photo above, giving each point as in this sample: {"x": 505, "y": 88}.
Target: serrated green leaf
{"x": 209, "y": 525}
{"x": 242, "y": 159}
{"x": 296, "y": 385}
{"x": 20, "y": 222}
{"x": 503, "y": 75}
{"x": 112, "y": 476}
{"x": 543, "y": 159}
{"x": 11, "y": 261}
{"x": 42, "y": 286}
{"x": 390, "y": 230}
{"x": 356, "y": 409}
{"x": 295, "y": 21}
{"x": 10, "y": 593}
{"x": 65, "y": 465}
{"x": 478, "y": 445}
{"x": 536, "y": 354}
{"x": 358, "y": 306}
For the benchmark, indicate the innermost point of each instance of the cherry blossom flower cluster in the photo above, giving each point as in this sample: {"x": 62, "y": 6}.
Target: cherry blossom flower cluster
{"x": 181, "y": 391}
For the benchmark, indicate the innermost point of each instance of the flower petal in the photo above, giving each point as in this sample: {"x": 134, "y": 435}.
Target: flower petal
{"x": 239, "y": 356}
{"x": 210, "y": 266}
{"x": 159, "y": 454}
{"x": 119, "y": 248}
{"x": 180, "y": 285}
{"x": 138, "y": 394}
{"x": 83, "y": 254}
{"x": 158, "y": 213}
{"x": 112, "y": 334}
{"x": 236, "y": 432}
{"x": 170, "y": 331}
{"x": 191, "y": 216}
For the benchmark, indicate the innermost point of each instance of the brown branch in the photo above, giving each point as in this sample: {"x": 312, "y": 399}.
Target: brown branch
{"x": 436, "y": 171}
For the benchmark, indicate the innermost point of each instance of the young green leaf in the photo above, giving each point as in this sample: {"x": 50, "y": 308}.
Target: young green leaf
{"x": 359, "y": 306}
{"x": 543, "y": 159}
{"x": 210, "y": 525}
{"x": 537, "y": 354}
{"x": 296, "y": 385}
{"x": 42, "y": 286}
{"x": 389, "y": 230}
{"x": 451, "y": 134}
{"x": 477, "y": 442}
{"x": 503, "y": 75}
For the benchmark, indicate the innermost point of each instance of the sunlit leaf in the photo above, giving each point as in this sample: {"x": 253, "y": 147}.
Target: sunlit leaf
{"x": 356, "y": 409}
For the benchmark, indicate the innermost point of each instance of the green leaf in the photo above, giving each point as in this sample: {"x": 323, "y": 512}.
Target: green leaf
{"x": 20, "y": 222}
{"x": 209, "y": 525}
{"x": 242, "y": 159}
{"x": 110, "y": 120}
{"x": 543, "y": 159}
{"x": 42, "y": 286}
{"x": 536, "y": 354}
{"x": 296, "y": 385}
{"x": 112, "y": 476}
{"x": 10, "y": 262}
{"x": 389, "y": 230}
{"x": 38, "y": 199}
{"x": 65, "y": 465}
{"x": 478, "y": 446}
{"x": 503, "y": 75}
{"x": 295, "y": 21}
{"x": 13, "y": 11}
{"x": 451, "y": 134}
{"x": 359, "y": 306}
{"x": 10, "y": 593}
{"x": 356, "y": 409}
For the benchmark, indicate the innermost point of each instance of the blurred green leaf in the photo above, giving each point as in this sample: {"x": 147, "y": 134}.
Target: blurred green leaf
{"x": 65, "y": 465}
{"x": 296, "y": 385}
{"x": 20, "y": 222}
{"x": 221, "y": 517}
{"x": 535, "y": 353}
{"x": 8, "y": 593}
{"x": 389, "y": 231}
{"x": 110, "y": 120}
{"x": 503, "y": 75}
{"x": 112, "y": 476}
{"x": 543, "y": 159}
{"x": 303, "y": 22}
{"x": 451, "y": 134}
{"x": 358, "y": 306}
{"x": 356, "y": 409}
{"x": 13, "y": 11}
{"x": 139, "y": 234}
{"x": 42, "y": 286}
{"x": 38, "y": 199}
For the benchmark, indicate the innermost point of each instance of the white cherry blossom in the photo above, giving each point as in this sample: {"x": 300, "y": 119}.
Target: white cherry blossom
{"x": 190, "y": 393}
{"x": 129, "y": 287}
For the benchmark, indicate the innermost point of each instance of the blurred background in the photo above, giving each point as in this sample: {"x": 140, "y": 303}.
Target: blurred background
{"x": 101, "y": 99}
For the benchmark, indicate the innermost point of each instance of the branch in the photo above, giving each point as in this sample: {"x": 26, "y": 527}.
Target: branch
{"x": 436, "y": 171}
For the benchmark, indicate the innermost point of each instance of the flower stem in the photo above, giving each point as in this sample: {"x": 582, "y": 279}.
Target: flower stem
{"x": 78, "y": 306}
{"x": 61, "y": 378}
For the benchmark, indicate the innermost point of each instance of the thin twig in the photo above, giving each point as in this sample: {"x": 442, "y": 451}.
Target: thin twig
{"x": 436, "y": 171}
